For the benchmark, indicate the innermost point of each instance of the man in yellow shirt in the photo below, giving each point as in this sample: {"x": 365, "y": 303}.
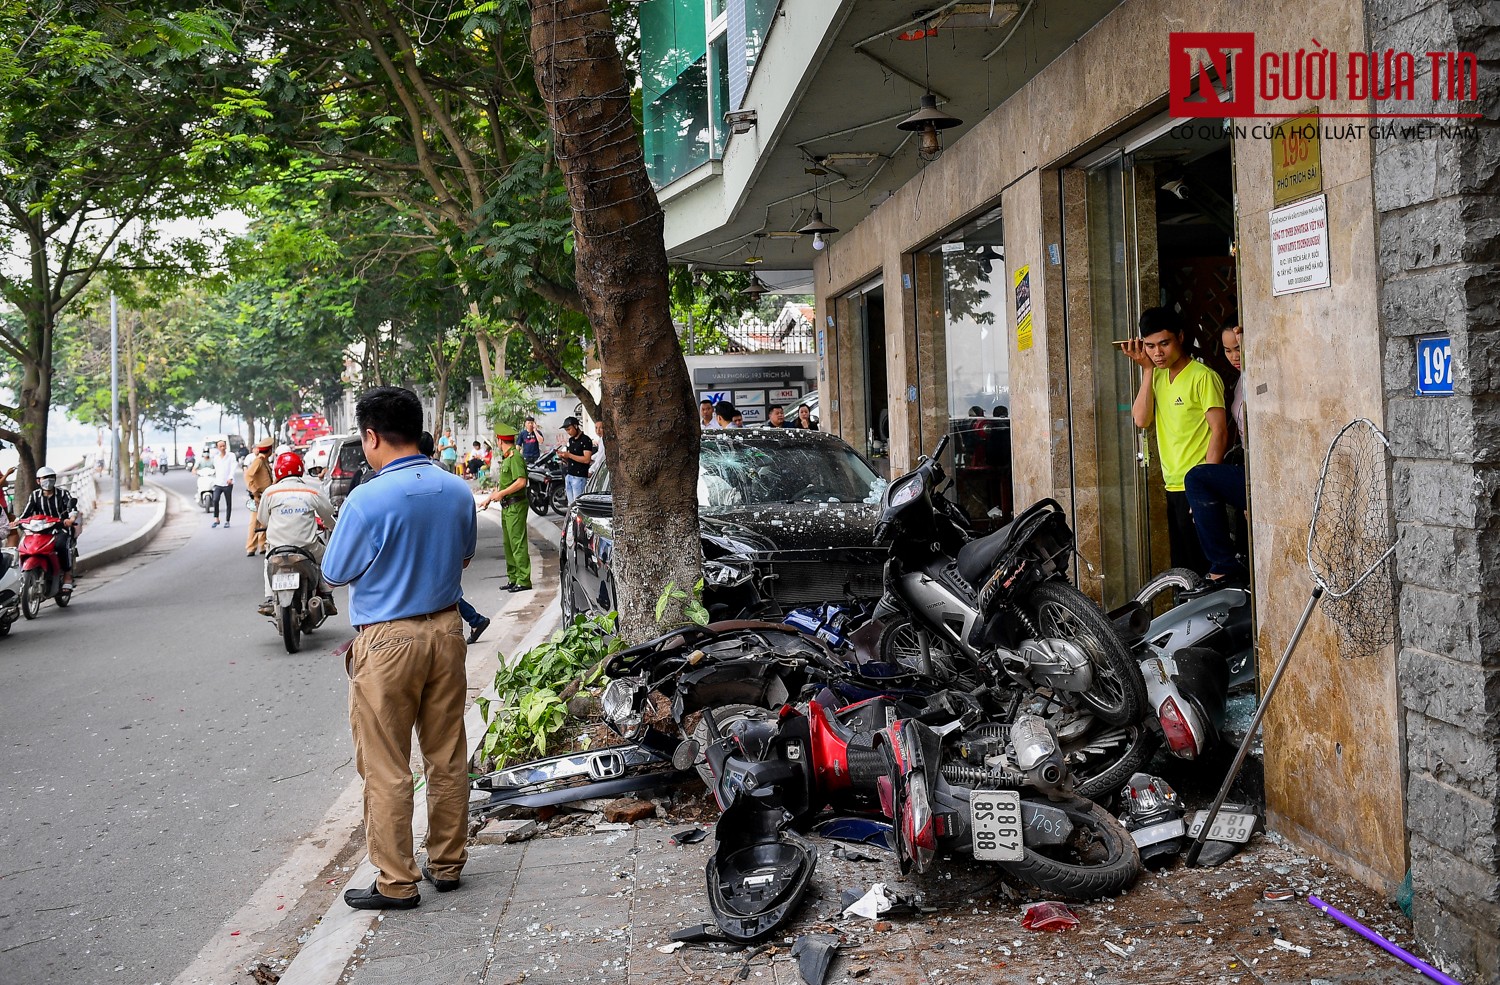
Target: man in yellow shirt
{"x": 1185, "y": 400}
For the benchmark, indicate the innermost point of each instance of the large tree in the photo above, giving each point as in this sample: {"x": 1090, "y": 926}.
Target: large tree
{"x": 98, "y": 105}
{"x": 649, "y": 422}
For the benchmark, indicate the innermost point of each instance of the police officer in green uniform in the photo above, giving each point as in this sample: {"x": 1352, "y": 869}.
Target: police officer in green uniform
{"x": 510, "y": 493}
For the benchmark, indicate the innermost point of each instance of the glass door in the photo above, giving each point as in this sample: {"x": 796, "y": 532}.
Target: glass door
{"x": 1115, "y": 283}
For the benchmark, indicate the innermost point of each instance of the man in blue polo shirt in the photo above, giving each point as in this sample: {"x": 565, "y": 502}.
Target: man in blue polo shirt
{"x": 404, "y": 536}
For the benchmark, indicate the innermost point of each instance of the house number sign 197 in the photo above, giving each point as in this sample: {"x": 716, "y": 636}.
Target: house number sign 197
{"x": 1435, "y": 366}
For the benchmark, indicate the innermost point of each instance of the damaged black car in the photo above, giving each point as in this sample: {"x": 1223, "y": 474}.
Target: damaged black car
{"x": 787, "y": 518}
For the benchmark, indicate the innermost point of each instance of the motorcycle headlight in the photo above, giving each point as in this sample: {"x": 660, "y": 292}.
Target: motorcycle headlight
{"x": 904, "y": 491}
{"x": 728, "y": 572}
{"x": 619, "y": 703}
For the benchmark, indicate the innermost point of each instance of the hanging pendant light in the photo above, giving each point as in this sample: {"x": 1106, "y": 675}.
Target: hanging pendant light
{"x": 817, "y": 228}
{"x": 755, "y": 289}
{"x": 928, "y": 119}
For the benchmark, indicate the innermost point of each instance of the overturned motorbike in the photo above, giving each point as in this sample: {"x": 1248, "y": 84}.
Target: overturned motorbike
{"x": 949, "y": 780}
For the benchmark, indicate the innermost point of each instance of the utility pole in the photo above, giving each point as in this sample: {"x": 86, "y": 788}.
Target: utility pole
{"x": 114, "y": 391}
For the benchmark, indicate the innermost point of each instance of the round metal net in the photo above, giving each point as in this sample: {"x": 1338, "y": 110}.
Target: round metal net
{"x": 1350, "y": 542}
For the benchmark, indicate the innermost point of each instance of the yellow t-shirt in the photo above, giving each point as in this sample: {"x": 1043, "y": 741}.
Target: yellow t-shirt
{"x": 1181, "y": 425}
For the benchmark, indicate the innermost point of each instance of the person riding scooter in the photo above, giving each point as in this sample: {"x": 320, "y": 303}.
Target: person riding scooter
{"x": 49, "y": 500}
{"x": 290, "y": 509}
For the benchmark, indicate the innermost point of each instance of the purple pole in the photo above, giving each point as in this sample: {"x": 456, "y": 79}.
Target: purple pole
{"x": 1379, "y": 941}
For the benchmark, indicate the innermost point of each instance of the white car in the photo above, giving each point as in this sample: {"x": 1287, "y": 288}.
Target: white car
{"x": 316, "y": 459}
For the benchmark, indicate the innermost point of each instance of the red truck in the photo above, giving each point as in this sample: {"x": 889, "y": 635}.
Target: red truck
{"x": 303, "y": 428}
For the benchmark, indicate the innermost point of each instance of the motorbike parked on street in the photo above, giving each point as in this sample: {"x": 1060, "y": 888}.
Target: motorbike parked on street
{"x": 296, "y": 605}
{"x": 997, "y": 609}
{"x": 10, "y": 589}
{"x": 42, "y": 573}
{"x": 545, "y": 488}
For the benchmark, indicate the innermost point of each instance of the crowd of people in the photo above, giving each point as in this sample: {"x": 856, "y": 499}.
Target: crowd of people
{"x": 1200, "y": 442}
{"x": 720, "y": 415}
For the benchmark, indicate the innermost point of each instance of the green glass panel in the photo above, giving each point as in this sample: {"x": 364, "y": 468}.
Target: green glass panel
{"x": 719, "y": 60}
{"x": 677, "y": 128}
{"x": 673, "y": 39}
{"x": 758, "y": 17}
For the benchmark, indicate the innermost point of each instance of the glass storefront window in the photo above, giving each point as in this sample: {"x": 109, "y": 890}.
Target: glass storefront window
{"x": 978, "y": 362}
{"x": 674, "y": 82}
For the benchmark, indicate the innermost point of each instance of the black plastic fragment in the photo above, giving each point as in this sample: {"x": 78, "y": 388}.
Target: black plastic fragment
{"x": 814, "y": 954}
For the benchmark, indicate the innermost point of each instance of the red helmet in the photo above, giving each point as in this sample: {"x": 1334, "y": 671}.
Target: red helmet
{"x": 288, "y": 463}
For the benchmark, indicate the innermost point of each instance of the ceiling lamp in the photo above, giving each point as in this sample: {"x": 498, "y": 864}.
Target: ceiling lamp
{"x": 755, "y": 289}
{"x": 818, "y": 229}
{"x": 928, "y": 121}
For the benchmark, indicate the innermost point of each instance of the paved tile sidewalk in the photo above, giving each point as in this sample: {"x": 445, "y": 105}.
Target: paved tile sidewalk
{"x": 596, "y": 908}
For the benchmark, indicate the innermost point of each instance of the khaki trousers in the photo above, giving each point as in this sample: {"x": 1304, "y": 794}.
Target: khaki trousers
{"x": 405, "y": 674}
{"x": 256, "y": 540}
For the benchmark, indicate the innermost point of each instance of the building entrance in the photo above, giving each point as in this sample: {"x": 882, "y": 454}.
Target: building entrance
{"x": 1148, "y": 222}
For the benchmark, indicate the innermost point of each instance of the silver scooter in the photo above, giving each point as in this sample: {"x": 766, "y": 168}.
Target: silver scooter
{"x": 10, "y": 589}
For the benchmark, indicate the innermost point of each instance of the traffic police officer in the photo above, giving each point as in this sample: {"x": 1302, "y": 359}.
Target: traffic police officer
{"x": 510, "y": 493}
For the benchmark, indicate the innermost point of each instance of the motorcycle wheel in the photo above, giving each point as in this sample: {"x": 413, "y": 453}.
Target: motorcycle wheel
{"x": 205, "y": 500}
{"x": 559, "y": 499}
{"x": 1100, "y": 859}
{"x": 291, "y": 629}
{"x": 900, "y": 645}
{"x": 32, "y": 593}
{"x": 537, "y": 500}
{"x": 1101, "y": 764}
{"x": 63, "y": 598}
{"x": 1179, "y": 579}
{"x": 5, "y": 626}
{"x": 723, "y": 716}
{"x": 1118, "y": 694}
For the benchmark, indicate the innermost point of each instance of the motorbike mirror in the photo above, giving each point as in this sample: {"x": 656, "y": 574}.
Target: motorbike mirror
{"x": 686, "y": 754}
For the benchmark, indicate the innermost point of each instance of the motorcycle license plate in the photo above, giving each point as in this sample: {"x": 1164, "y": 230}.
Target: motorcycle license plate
{"x": 283, "y": 580}
{"x": 1228, "y": 826}
{"x": 995, "y": 818}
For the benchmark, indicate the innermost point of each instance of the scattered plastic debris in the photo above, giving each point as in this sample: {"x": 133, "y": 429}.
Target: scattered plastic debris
{"x": 689, "y": 837}
{"x": 814, "y": 954}
{"x": 1287, "y": 945}
{"x": 1048, "y": 917}
{"x": 1278, "y": 894}
{"x": 669, "y": 948}
{"x": 1116, "y": 949}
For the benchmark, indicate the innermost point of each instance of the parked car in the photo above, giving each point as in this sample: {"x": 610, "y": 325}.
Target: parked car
{"x": 787, "y": 519}
{"x": 347, "y": 461}
{"x": 318, "y": 450}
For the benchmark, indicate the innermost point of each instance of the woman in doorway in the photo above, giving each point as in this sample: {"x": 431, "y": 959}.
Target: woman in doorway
{"x": 1213, "y": 489}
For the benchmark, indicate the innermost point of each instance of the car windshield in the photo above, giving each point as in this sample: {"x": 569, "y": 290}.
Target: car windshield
{"x": 733, "y": 474}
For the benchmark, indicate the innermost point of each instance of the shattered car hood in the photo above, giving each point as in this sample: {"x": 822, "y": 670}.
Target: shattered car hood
{"x": 778, "y": 527}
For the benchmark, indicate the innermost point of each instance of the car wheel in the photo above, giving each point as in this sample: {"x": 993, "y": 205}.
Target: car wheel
{"x": 567, "y": 601}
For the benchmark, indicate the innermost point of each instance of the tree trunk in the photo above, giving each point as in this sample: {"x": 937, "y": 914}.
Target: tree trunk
{"x": 621, "y": 268}
{"x": 127, "y": 359}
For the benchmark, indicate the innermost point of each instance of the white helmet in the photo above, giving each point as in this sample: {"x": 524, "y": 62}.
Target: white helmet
{"x": 46, "y": 477}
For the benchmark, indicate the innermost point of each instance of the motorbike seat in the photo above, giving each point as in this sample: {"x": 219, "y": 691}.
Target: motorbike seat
{"x": 977, "y": 556}
{"x": 291, "y": 549}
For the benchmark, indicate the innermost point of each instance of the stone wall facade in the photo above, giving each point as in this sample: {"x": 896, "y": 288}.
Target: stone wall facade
{"x": 1438, "y": 206}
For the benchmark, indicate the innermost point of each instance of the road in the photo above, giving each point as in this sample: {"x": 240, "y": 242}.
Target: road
{"x": 163, "y": 753}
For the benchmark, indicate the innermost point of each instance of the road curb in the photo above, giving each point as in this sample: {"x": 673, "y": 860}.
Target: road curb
{"x": 133, "y": 544}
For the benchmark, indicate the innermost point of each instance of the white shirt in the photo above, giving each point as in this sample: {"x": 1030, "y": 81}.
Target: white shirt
{"x": 224, "y": 469}
{"x": 289, "y": 511}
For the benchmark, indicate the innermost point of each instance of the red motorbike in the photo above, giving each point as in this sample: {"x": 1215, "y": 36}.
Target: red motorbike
{"x": 41, "y": 568}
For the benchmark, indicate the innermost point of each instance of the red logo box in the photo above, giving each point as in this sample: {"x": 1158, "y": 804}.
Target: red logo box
{"x": 1202, "y": 63}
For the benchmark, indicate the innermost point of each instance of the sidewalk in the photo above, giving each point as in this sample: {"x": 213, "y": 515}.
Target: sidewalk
{"x": 601, "y": 907}
{"x": 104, "y": 541}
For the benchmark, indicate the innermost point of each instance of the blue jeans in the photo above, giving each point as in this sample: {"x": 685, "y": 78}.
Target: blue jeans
{"x": 573, "y": 485}
{"x": 467, "y": 612}
{"x": 1210, "y": 488}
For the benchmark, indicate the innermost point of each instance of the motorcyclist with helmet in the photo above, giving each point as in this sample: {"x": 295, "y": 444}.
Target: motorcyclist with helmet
{"x": 48, "y": 499}
{"x": 289, "y": 510}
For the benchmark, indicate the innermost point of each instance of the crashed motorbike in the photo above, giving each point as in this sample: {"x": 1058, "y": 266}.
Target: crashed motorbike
{"x": 545, "y": 488}
{"x": 997, "y": 609}
{"x": 949, "y": 780}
